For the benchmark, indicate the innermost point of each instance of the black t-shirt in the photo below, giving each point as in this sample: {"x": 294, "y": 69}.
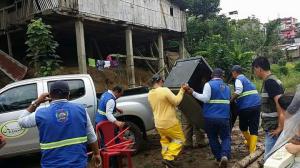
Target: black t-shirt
{"x": 273, "y": 88}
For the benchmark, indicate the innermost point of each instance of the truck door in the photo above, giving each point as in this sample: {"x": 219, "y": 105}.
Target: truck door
{"x": 13, "y": 102}
{"x": 81, "y": 92}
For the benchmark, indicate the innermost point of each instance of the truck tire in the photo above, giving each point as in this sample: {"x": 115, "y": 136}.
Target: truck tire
{"x": 135, "y": 134}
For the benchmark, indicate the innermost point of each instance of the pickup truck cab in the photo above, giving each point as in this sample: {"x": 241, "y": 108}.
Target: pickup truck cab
{"x": 16, "y": 97}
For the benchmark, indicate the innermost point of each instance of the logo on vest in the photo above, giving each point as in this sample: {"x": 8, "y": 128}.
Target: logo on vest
{"x": 11, "y": 129}
{"x": 62, "y": 115}
{"x": 222, "y": 87}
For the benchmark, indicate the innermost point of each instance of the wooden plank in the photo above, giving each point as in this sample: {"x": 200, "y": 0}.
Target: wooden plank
{"x": 151, "y": 68}
{"x": 16, "y": 12}
{"x": 11, "y": 67}
{"x": 145, "y": 58}
{"x": 156, "y": 46}
{"x": 9, "y": 45}
{"x": 2, "y": 21}
{"x": 245, "y": 162}
{"x": 181, "y": 48}
{"x": 147, "y": 62}
{"x": 151, "y": 50}
{"x": 135, "y": 57}
{"x": 163, "y": 14}
{"x": 161, "y": 54}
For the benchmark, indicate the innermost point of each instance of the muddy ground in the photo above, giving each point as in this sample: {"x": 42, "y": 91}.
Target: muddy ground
{"x": 191, "y": 158}
{"x": 150, "y": 157}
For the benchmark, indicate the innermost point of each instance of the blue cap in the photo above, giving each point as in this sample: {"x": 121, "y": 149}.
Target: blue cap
{"x": 217, "y": 72}
{"x": 59, "y": 86}
{"x": 237, "y": 68}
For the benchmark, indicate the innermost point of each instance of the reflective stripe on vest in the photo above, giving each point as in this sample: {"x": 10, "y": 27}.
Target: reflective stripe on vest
{"x": 62, "y": 143}
{"x": 274, "y": 114}
{"x": 250, "y": 92}
{"x": 219, "y": 101}
{"x": 101, "y": 112}
{"x": 264, "y": 95}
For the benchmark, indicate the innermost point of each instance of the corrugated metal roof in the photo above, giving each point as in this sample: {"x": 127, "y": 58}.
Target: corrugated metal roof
{"x": 11, "y": 67}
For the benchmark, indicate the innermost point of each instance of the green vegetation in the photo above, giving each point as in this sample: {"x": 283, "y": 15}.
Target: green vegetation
{"x": 203, "y": 8}
{"x": 283, "y": 70}
{"x": 42, "y": 48}
{"x": 224, "y": 41}
{"x": 297, "y": 66}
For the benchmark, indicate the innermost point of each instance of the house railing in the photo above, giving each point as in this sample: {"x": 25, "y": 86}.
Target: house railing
{"x": 23, "y": 10}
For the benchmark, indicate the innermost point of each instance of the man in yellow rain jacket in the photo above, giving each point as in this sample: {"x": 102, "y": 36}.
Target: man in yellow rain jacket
{"x": 163, "y": 103}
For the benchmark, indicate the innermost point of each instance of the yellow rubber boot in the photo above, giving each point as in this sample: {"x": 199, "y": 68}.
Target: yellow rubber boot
{"x": 252, "y": 143}
{"x": 247, "y": 137}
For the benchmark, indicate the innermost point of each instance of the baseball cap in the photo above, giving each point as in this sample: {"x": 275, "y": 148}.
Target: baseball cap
{"x": 61, "y": 86}
{"x": 236, "y": 68}
{"x": 217, "y": 72}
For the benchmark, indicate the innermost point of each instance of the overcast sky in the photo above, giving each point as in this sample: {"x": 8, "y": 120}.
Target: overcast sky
{"x": 263, "y": 9}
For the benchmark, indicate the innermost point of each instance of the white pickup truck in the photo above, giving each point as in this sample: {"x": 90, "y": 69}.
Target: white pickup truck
{"x": 16, "y": 97}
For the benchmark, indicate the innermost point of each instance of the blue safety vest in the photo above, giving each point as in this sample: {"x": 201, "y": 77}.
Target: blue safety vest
{"x": 63, "y": 137}
{"x": 219, "y": 103}
{"x": 249, "y": 97}
{"x": 101, "y": 112}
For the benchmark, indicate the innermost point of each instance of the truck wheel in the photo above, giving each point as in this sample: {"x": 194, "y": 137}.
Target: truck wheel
{"x": 135, "y": 134}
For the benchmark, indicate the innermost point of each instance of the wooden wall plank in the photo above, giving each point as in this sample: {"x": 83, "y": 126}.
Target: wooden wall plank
{"x": 137, "y": 12}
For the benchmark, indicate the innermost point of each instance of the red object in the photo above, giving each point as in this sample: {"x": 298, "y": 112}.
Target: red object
{"x": 109, "y": 58}
{"x": 111, "y": 148}
{"x": 2, "y": 141}
{"x": 11, "y": 67}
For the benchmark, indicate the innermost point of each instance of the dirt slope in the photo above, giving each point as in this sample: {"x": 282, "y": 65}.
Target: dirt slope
{"x": 107, "y": 78}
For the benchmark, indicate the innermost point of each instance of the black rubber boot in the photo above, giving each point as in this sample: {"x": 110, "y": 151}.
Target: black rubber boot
{"x": 169, "y": 163}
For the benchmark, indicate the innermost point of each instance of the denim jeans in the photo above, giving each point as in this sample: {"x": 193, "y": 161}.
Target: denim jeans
{"x": 219, "y": 128}
{"x": 269, "y": 143}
